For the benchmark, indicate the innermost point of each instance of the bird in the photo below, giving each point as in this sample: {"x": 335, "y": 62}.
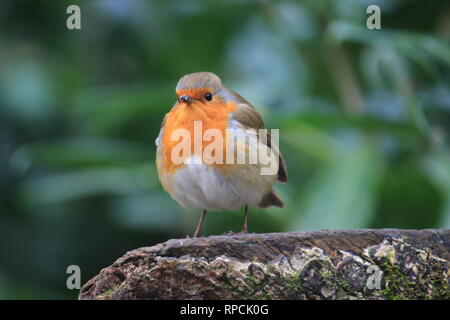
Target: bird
{"x": 227, "y": 185}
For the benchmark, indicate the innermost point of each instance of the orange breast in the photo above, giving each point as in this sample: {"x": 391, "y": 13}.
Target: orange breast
{"x": 213, "y": 115}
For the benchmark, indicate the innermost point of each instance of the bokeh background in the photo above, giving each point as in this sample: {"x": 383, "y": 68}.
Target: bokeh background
{"x": 364, "y": 119}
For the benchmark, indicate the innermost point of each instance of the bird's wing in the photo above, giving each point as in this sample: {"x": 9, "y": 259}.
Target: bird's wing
{"x": 247, "y": 116}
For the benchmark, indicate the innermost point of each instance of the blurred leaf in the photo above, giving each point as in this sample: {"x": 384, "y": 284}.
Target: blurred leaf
{"x": 80, "y": 151}
{"x": 310, "y": 140}
{"x": 88, "y": 182}
{"x": 26, "y": 89}
{"x": 438, "y": 167}
{"x": 407, "y": 198}
{"x": 154, "y": 211}
{"x": 105, "y": 109}
{"x": 336, "y": 120}
{"x": 342, "y": 195}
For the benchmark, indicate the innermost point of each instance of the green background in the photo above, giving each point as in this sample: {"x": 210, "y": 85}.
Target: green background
{"x": 364, "y": 118}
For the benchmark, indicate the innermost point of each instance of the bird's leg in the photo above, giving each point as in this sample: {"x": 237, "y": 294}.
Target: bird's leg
{"x": 198, "y": 231}
{"x": 245, "y": 226}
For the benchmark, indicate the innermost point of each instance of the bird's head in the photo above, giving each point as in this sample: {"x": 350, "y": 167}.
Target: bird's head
{"x": 202, "y": 89}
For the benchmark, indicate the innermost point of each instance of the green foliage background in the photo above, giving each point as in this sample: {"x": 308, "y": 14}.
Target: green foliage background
{"x": 364, "y": 118}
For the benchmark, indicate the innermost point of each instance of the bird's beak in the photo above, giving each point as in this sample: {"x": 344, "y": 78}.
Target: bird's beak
{"x": 185, "y": 98}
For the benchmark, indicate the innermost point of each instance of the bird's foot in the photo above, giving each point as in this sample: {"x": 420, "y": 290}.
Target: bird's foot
{"x": 244, "y": 231}
{"x": 194, "y": 236}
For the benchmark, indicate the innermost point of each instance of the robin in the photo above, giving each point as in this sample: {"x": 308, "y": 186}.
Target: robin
{"x": 203, "y": 99}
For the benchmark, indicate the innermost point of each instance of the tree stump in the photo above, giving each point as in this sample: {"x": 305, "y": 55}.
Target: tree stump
{"x": 339, "y": 264}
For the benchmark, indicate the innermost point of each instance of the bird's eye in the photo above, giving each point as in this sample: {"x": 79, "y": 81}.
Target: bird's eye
{"x": 208, "y": 96}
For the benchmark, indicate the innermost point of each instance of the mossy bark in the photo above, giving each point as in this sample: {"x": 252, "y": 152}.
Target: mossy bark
{"x": 346, "y": 264}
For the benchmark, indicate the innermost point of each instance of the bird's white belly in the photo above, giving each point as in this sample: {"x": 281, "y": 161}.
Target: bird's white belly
{"x": 206, "y": 187}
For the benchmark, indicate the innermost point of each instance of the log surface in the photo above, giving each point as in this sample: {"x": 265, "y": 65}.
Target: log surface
{"x": 339, "y": 264}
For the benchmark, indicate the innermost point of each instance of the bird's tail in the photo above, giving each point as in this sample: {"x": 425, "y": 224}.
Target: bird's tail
{"x": 271, "y": 199}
